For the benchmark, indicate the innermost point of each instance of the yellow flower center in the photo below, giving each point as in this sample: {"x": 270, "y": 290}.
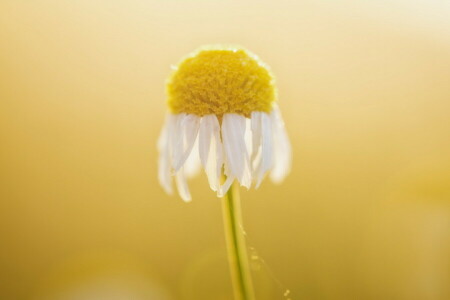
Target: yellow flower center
{"x": 219, "y": 81}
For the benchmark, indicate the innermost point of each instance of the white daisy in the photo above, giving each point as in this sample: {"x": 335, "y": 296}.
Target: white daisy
{"x": 223, "y": 117}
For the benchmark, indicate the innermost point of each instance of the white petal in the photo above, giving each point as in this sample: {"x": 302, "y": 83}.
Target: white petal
{"x": 211, "y": 153}
{"x": 226, "y": 164}
{"x": 176, "y": 138}
{"x": 225, "y": 187}
{"x": 192, "y": 165}
{"x": 233, "y": 134}
{"x": 256, "y": 133}
{"x": 282, "y": 148}
{"x": 266, "y": 160}
{"x": 248, "y": 137}
{"x": 164, "y": 136}
{"x": 219, "y": 157}
{"x": 164, "y": 156}
{"x": 189, "y": 131}
{"x": 182, "y": 186}
{"x": 204, "y": 136}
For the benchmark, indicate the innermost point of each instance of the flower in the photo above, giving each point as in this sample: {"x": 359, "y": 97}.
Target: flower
{"x": 222, "y": 116}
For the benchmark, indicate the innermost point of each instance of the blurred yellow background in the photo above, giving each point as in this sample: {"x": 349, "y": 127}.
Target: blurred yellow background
{"x": 365, "y": 92}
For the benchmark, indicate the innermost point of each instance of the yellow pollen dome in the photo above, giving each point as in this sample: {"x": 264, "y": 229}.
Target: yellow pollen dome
{"x": 221, "y": 80}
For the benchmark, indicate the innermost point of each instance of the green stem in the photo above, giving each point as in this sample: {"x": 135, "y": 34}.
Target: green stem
{"x": 237, "y": 250}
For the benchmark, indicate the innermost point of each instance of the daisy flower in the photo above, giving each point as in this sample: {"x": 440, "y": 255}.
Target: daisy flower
{"x": 223, "y": 116}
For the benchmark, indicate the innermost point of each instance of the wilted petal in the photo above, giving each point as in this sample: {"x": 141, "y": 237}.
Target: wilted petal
{"x": 164, "y": 176}
{"x": 183, "y": 189}
{"x": 266, "y": 160}
{"x": 189, "y": 126}
{"x": 211, "y": 153}
{"x": 225, "y": 187}
{"x": 192, "y": 165}
{"x": 256, "y": 134}
{"x": 204, "y": 138}
{"x": 233, "y": 134}
{"x": 282, "y": 148}
{"x": 176, "y": 138}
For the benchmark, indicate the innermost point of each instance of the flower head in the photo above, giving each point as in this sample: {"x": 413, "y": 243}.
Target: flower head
{"x": 223, "y": 116}
{"x": 220, "y": 81}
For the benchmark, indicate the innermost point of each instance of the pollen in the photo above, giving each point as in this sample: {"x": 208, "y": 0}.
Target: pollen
{"x": 220, "y": 80}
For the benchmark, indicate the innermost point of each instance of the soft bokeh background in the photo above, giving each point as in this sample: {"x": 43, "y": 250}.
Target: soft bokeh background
{"x": 365, "y": 92}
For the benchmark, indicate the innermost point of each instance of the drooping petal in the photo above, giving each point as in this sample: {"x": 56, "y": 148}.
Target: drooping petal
{"x": 189, "y": 131}
{"x": 164, "y": 176}
{"x": 204, "y": 138}
{"x": 215, "y": 163}
{"x": 256, "y": 133}
{"x": 282, "y": 156}
{"x": 183, "y": 189}
{"x": 255, "y": 158}
{"x": 248, "y": 139}
{"x": 226, "y": 186}
{"x": 237, "y": 160}
{"x": 176, "y": 138}
{"x": 211, "y": 154}
{"x": 266, "y": 160}
{"x": 192, "y": 166}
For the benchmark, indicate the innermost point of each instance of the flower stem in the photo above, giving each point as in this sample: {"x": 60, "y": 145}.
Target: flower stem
{"x": 237, "y": 250}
